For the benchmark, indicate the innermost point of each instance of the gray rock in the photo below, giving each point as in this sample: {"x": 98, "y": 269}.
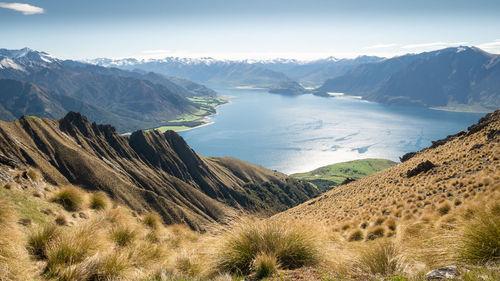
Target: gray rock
{"x": 447, "y": 272}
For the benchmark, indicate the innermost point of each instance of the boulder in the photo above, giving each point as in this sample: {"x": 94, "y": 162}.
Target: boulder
{"x": 421, "y": 168}
{"x": 447, "y": 272}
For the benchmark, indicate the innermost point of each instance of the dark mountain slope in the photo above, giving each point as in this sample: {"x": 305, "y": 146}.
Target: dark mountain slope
{"x": 23, "y": 98}
{"x": 463, "y": 75}
{"x": 132, "y": 100}
{"x": 148, "y": 170}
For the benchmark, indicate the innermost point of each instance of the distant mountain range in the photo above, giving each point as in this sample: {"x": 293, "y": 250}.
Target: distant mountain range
{"x": 461, "y": 76}
{"x": 127, "y": 99}
{"x": 137, "y": 94}
{"x": 259, "y": 73}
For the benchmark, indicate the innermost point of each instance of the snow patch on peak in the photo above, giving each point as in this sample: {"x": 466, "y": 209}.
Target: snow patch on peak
{"x": 9, "y": 63}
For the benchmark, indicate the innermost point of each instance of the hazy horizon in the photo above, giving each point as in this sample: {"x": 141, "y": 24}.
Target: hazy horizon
{"x": 223, "y": 29}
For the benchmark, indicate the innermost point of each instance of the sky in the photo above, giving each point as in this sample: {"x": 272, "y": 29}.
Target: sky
{"x": 238, "y": 29}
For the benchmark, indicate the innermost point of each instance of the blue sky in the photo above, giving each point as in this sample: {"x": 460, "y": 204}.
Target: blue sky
{"x": 247, "y": 29}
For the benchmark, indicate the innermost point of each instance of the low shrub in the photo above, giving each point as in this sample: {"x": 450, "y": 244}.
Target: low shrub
{"x": 293, "y": 244}
{"x": 71, "y": 198}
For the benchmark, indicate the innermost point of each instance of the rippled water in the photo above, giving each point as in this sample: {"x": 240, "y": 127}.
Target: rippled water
{"x": 297, "y": 134}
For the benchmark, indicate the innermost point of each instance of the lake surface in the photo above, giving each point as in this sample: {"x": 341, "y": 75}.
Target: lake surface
{"x": 298, "y": 134}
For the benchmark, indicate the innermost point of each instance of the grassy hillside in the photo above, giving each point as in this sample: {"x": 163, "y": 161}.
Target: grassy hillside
{"x": 439, "y": 208}
{"x": 331, "y": 175}
{"x": 148, "y": 170}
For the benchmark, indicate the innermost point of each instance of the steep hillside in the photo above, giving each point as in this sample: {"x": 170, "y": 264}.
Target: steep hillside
{"x": 132, "y": 100}
{"x": 148, "y": 170}
{"x": 86, "y": 236}
{"x": 23, "y": 98}
{"x": 465, "y": 76}
{"x": 459, "y": 171}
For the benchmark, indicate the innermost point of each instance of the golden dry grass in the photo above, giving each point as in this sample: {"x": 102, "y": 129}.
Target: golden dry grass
{"x": 380, "y": 228}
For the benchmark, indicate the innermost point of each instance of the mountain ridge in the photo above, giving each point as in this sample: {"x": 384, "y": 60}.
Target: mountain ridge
{"x": 132, "y": 100}
{"x": 451, "y": 76}
{"x": 148, "y": 170}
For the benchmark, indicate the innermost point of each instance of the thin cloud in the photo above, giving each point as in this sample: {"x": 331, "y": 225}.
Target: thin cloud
{"x": 380, "y": 46}
{"x": 433, "y": 44}
{"x": 26, "y": 9}
{"x": 492, "y": 47}
{"x": 494, "y": 44}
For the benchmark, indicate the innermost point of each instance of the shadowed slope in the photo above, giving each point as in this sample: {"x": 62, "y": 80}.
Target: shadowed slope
{"x": 147, "y": 170}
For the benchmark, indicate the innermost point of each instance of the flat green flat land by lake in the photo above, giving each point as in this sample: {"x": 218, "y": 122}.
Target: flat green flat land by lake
{"x": 331, "y": 175}
{"x": 206, "y": 106}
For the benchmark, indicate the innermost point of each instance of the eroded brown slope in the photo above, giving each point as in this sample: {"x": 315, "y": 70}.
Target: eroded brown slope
{"x": 465, "y": 171}
{"x": 147, "y": 170}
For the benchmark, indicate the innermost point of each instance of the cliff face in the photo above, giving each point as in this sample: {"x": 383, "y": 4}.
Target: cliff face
{"x": 147, "y": 170}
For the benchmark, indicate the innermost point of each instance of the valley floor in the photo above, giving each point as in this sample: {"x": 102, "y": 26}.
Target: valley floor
{"x": 208, "y": 107}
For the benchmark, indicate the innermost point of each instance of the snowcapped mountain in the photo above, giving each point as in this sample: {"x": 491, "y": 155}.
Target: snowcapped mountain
{"x": 126, "y": 99}
{"x": 19, "y": 59}
{"x": 255, "y": 72}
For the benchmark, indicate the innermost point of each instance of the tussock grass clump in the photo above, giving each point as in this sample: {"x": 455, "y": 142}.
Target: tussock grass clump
{"x": 186, "y": 264}
{"x": 111, "y": 266}
{"x": 61, "y": 219}
{"x": 356, "y": 235}
{"x": 375, "y": 232}
{"x": 71, "y": 198}
{"x": 380, "y": 258}
{"x": 99, "y": 201}
{"x": 70, "y": 249}
{"x": 33, "y": 174}
{"x": 123, "y": 236}
{"x": 265, "y": 265}
{"x": 153, "y": 220}
{"x": 479, "y": 242}
{"x": 40, "y": 238}
{"x": 293, "y": 244}
{"x": 444, "y": 208}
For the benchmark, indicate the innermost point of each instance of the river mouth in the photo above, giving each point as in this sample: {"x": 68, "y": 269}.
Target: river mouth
{"x": 301, "y": 133}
